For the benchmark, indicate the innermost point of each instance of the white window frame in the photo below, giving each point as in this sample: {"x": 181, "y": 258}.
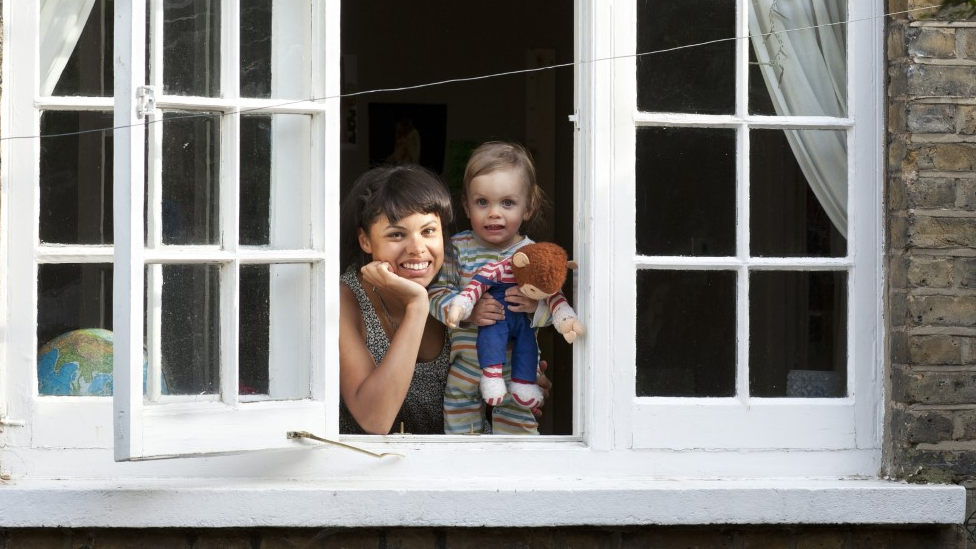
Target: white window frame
{"x": 601, "y": 474}
{"x": 838, "y": 430}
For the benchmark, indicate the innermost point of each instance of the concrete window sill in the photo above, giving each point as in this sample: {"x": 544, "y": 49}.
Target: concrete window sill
{"x": 215, "y": 503}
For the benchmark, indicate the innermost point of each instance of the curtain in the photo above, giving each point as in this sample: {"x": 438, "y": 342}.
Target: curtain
{"x": 806, "y": 74}
{"x": 61, "y": 24}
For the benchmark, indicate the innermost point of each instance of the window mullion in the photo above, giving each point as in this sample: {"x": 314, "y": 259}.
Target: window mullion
{"x": 743, "y": 255}
{"x": 229, "y": 209}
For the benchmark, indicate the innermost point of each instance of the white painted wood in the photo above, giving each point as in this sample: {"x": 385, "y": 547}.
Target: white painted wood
{"x": 189, "y": 424}
{"x": 229, "y": 208}
{"x": 619, "y": 438}
{"x": 326, "y": 43}
{"x": 743, "y": 421}
{"x": 406, "y": 503}
{"x": 128, "y": 170}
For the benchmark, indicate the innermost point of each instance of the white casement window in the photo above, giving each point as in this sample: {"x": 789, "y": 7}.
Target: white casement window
{"x": 727, "y": 226}
{"x": 746, "y": 276}
{"x": 189, "y": 220}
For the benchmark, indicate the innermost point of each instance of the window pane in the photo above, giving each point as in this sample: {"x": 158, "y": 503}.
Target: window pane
{"x": 275, "y": 187}
{"x": 686, "y": 333}
{"x": 696, "y": 79}
{"x": 74, "y": 319}
{"x": 255, "y": 207}
{"x": 89, "y": 70}
{"x": 76, "y": 178}
{"x": 787, "y": 218}
{"x": 801, "y": 50}
{"x": 191, "y": 48}
{"x": 685, "y": 191}
{"x": 273, "y": 63}
{"x": 190, "y": 178}
{"x": 798, "y": 341}
{"x": 275, "y": 330}
{"x": 189, "y": 329}
{"x": 256, "y": 48}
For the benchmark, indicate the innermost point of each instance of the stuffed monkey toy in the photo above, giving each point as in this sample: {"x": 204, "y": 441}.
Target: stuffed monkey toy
{"x": 539, "y": 270}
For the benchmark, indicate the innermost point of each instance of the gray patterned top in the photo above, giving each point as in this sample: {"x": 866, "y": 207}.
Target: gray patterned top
{"x": 422, "y": 412}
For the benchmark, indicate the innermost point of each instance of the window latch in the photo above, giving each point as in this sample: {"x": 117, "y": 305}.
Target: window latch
{"x": 145, "y": 101}
{"x": 574, "y": 118}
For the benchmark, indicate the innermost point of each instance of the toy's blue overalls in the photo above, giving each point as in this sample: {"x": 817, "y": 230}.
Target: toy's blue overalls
{"x": 493, "y": 340}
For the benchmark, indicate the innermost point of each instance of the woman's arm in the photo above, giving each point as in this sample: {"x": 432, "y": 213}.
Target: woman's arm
{"x": 374, "y": 392}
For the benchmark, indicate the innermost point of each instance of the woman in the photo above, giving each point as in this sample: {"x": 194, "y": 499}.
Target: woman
{"x": 393, "y": 356}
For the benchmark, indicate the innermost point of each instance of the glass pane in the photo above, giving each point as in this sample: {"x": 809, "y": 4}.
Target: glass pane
{"x": 190, "y": 329}
{"x": 191, "y": 48}
{"x": 255, "y": 207}
{"x": 787, "y": 215}
{"x": 274, "y": 59}
{"x": 685, "y": 191}
{"x": 686, "y": 333}
{"x": 275, "y": 186}
{"x": 256, "y": 48}
{"x": 82, "y": 68}
{"x": 696, "y": 79}
{"x": 798, "y": 341}
{"x": 190, "y": 178}
{"x": 275, "y": 335}
{"x": 76, "y": 178}
{"x": 802, "y": 57}
{"x": 74, "y": 319}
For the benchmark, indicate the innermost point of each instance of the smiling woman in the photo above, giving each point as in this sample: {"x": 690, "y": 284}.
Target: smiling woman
{"x": 392, "y": 367}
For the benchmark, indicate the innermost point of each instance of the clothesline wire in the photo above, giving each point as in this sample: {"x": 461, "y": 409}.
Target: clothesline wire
{"x": 467, "y": 79}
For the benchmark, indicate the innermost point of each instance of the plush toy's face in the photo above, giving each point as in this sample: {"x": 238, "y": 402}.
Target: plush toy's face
{"x": 540, "y": 269}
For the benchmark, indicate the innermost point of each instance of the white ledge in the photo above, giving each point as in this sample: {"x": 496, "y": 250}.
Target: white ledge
{"x": 209, "y": 503}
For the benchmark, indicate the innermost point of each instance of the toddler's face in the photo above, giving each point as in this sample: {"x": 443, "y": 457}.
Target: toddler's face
{"x": 497, "y": 203}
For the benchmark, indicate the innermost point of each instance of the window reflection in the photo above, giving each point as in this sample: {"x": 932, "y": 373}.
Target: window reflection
{"x": 698, "y": 79}
{"x": 686, "y": 333}
{"x": 76, "y": 178}
{"x": 798, "y": 342}
{"x": 685, "y": 191}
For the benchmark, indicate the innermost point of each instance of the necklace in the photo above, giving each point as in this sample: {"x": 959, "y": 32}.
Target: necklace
{"x": 386, "y": 311}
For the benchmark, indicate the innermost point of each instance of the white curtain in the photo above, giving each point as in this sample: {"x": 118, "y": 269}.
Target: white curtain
{"x": 806, "y": 75}
{"x": 61, "y": 24}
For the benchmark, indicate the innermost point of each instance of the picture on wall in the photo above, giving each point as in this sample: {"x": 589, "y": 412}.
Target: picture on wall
{"x": 401, "y": 133}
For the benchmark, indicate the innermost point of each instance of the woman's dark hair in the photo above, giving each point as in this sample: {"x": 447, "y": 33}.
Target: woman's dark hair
{"x": 393, "y": 191}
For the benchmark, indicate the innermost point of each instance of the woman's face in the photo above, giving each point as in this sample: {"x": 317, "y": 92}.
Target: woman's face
{"x": 413, "y": 245}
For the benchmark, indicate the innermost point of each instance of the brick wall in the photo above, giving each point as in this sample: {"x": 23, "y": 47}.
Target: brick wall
{"x": 931, "y": 199}
{"x": 529, "y": 538}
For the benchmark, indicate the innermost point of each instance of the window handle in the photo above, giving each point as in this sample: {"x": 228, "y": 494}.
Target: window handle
{"x": 306, "y": 434}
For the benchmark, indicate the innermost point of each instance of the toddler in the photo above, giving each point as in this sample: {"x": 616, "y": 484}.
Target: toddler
{"x": 500, "y": 193}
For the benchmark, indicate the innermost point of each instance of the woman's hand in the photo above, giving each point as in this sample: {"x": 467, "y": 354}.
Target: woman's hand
{"x": 545, "y": 384}
{"x": 487, "y": 311}
{"x": 380, "y": 275}
{"x": 518, "y": 302}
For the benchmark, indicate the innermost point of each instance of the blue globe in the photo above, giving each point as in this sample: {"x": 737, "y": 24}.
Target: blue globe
{"x": 79, "y": 363}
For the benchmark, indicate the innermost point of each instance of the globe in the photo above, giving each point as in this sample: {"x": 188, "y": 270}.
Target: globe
{"x": 79, "y": 363}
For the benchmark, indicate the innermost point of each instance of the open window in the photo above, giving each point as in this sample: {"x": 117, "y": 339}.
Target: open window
{"x": 714, "y": 264}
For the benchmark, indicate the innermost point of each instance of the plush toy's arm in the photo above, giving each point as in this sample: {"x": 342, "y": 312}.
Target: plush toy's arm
{"x": 564, "y": 318}
{"x": 457, "y": 310}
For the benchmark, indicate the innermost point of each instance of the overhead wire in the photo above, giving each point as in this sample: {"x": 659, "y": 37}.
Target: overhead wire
{"x": 467, "y": 79}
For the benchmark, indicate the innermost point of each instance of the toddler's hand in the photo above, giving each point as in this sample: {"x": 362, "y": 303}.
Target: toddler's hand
{"x": 519, "y": 302}
{"x": 487, "y": 311}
